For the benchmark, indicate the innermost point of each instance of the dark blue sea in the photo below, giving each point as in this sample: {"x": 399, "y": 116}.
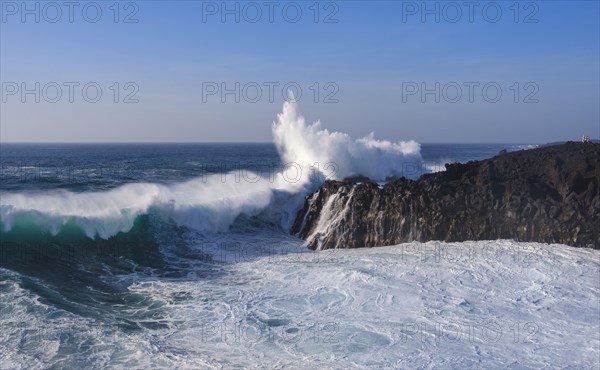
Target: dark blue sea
{"x": 96, "y": 167}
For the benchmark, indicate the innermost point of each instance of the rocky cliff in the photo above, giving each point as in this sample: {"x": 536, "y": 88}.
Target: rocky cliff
{"x": 549, "y": 194}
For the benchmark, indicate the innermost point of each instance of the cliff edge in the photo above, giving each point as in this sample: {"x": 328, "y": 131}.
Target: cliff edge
{"x": 550, "y": 194}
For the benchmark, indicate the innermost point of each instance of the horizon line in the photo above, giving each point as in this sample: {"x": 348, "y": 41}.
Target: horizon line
{"x": 254, "y": 142}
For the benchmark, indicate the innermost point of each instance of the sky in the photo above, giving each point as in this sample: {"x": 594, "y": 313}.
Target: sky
{"x": 205, "y": 71}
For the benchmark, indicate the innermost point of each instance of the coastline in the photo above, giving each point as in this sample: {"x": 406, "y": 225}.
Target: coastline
{"x": 548, "y": 194}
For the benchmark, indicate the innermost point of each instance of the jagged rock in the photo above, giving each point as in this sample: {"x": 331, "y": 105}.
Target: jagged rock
{"x": 549, "y": 194}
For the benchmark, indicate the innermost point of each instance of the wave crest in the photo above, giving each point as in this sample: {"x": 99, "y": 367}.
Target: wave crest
{"x": 204, "y": 204}
{"x": 212, "y": 203}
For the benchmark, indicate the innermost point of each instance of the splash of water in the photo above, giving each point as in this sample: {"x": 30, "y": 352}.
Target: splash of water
{"x": 209, "y": 204}
{"x": 310, "y": 145}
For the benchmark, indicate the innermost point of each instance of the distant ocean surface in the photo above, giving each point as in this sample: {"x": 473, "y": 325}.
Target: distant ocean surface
{"x": 87, "y": 167}
{"x": 179, "y": 256}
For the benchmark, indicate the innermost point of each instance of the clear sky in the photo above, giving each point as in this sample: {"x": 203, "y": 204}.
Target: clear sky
{"x": 369, "y": 61}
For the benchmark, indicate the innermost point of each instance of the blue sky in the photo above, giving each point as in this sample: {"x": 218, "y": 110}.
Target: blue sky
{"x": 363, "y": 65}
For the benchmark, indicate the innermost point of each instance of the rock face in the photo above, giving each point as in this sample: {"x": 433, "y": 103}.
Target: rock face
{"x": 549, "y": 194}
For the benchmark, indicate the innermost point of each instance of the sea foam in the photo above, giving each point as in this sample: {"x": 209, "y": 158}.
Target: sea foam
{"x": 212, "y": 203}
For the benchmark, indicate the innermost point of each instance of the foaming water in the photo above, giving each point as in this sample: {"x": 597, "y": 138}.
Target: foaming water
{"x": 211, "y": 203}
{"x": 308, "y": 144}
{"x": 388, "y": 307}
{"x": 204, "y": 204}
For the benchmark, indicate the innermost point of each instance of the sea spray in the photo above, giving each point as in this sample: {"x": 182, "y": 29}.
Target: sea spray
{"x": 378, "y": 160}
{"x": 211, "y": 204}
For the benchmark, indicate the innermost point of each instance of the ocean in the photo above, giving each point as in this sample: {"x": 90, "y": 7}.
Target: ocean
{"x": 179, "y": 256}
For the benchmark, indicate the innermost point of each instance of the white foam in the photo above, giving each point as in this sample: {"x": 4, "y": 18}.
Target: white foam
{"x": 308, "y": 145}
{"x": 205, "y": 204}
{"x": 491, "y": 304}
{"x": 212, "y": 203}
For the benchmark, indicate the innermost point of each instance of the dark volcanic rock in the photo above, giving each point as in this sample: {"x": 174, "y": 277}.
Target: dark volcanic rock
{"x": 550, "y": 194}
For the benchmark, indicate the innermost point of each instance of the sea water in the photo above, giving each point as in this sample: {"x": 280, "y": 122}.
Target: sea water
{"x": 179, "y": 256}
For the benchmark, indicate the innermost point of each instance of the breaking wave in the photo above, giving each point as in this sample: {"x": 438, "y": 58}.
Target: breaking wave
{"x": 212, "y": 203}
{"x": 309, "y": 144}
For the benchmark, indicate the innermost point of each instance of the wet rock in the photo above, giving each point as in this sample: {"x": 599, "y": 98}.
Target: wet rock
{"x": 549, "y": 194}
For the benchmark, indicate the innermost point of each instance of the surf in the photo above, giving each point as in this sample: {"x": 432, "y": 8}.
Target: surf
{"x": 211, "y": 203}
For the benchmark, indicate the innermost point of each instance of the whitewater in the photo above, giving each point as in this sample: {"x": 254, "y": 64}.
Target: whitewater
{"x": 212, "y": 203}
{"x": 177, "y": 267}
{"x": 390, "y": 307}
